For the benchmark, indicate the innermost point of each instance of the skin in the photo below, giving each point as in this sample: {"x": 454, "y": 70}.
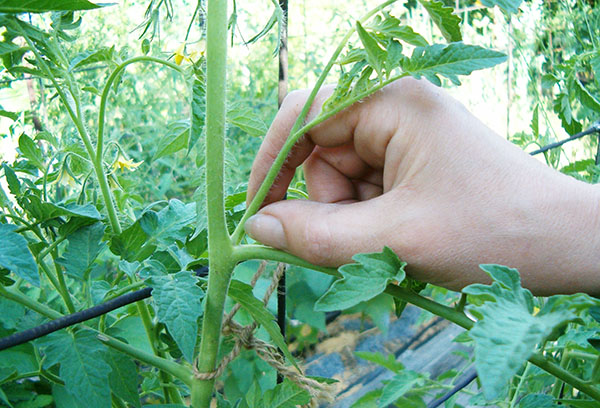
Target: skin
{"x": 412, "y": 169}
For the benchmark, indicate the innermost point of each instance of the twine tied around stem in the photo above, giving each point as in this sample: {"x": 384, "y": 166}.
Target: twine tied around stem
{"x": 244, "y": 338}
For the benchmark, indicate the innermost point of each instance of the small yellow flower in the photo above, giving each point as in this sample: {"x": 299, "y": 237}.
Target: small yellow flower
{"x": 123, "y": 163}
{"x": 180, "y": 54}
{"x": 197, "y": 51}
{"x": 64, "y": 177}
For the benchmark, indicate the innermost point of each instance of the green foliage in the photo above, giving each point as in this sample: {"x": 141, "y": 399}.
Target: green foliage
{"x": 85, "y": 245}
{"x": 397, "y": 387}
{"x": 242, "y": 294}
{"x": 122, "y": 378}
{"x": 450, "y": 61}
{"x": 40, "y": 6}
{"x": 284, "y": 395}
{"x": 363, "y": 280}
{"x": 178, "y": 305}
{"x": 507, "y": 331}
{"x": 15, "y": 255}
{"x": 508, "y": 6}
{"x": 537, "y": 401}
{"x": 83, "y": 367}
{"x": 443, "y": 17}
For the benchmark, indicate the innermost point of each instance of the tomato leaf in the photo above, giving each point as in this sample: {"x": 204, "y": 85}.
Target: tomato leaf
{"x": 509, "y": 6}
{"x": 444, "y": 18}
{"x": 175, "y": 139}
{"x": 585, "y": 97}
{"x": 83, "y": 365}
{"x": 178, "y": 306}
{"x": 388, "y": 362}
{"x": 168, "y": 225}
{"x": 450, "y": 61}
{"x": 537, "y": 401}
{"x": 399, "y": 385}
{"x": 84, "y": 247}
{"x": 507, "y": 332}
{"x": 41, "y": 6}
{"x": 131, "y": 244}
{"x": 363, "y": 280}
{"x": 123, "y": 377}
{"x": 247, "y": 120}
{"x": 31, "y": 151}
{"x": 198, "y": 105}
{"x": 242, "y": 294}
{"x": 15, "y": 255}
{"x": 44, "y": 211}
{"x": 391, "y": 27}
{"x": 376, "y": 56}
{"x": 102, "y": 54}
{"x": 286, "y": 395}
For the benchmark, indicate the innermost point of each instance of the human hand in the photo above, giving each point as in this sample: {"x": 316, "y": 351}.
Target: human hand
{"x": 411, "y": 168}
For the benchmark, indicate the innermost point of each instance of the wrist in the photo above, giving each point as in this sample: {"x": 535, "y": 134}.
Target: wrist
{"x": 560, "y": 248}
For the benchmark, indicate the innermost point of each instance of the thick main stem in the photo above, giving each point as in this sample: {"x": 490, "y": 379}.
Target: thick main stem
{"x": 219, "y": 244}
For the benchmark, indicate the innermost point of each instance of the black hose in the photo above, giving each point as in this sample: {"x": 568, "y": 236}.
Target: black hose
{"x": 595, "y": 128}
{"x": 69, "y": 320}
{"x": 81, "y": 316}
{"x": 466, "y": 380}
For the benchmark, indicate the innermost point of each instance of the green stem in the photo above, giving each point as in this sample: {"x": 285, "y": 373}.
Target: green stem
{"x": 124, "y": 290}
{"x": 149, "y": 328}
{"x": 287, "y": 147}
{"x": 58, "y": 284}
{"x": 565, "y": 376}
{"x": 64, "y": 289}
{"x": 19, "y": 297}
{"x": 117, "y": 402}
{"x": 51, "y": 277}
{"x": 167, "y": 366}
{"x": 564, "y": 361}
{"x": 246, "y": 252}
{"x": 461, "y": 302}
{"x": 219, "y": 244}
{"x": 596, "y": 371}
{"x": 515, "y": 397}
{"x": 49, "y": 248}
{"x": 82, "y": 130}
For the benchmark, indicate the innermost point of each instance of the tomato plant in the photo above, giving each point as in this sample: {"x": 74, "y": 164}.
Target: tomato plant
{"x": 76, "y": 235}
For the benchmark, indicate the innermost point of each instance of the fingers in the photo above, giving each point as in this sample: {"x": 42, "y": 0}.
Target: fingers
{"x": 322, "y": 233}
{"x": 333, "y": 132}
{"x": 337, "y": 174}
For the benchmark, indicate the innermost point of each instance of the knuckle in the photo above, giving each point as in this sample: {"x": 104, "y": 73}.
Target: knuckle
{"x": 418, "y": 91}
{"x": 294, "y": 99}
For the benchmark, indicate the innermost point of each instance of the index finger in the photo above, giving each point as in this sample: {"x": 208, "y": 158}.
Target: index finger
{"x": 333, "y": 132}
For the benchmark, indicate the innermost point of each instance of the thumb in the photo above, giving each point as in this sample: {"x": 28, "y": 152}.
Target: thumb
{"x": 322, "y": 233}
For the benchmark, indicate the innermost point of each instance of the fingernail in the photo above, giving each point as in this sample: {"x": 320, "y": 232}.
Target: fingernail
{"x": 266, "y": 229}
